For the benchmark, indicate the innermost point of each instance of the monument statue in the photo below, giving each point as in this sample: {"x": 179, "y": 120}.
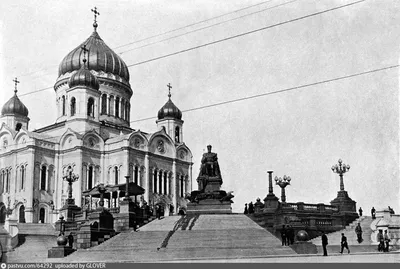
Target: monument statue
{"x": 210, "y": 173}
{"x": 209, "y": 198}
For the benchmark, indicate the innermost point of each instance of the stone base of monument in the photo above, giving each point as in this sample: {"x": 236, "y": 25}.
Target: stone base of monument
{"x": 304, "y": 248}
{"x": 209, "y": 206}
{"x": 59, "y": 252}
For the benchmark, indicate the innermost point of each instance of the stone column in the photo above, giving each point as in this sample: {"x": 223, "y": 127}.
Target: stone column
{"x": 108, "y": 105}
{"x": 161, "y": 178}
{"x": 173, "y": 185}
{"x": 190, "y": 178}
{"x": 30, "y": 177}
{"x": 146, "y": 178}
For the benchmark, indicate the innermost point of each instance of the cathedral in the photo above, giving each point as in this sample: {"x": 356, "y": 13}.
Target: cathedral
{"x": 91, "y": 136}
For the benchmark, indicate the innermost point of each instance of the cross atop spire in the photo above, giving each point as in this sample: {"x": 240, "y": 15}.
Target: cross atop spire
{"x": 95, "y": 17}
{"x": 16, "y": 83}
{"x": 169, "y": 90}
{"x": 84, "y": 54}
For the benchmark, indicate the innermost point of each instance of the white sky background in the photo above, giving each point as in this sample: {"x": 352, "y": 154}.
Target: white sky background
{"x": 300, "y": 133}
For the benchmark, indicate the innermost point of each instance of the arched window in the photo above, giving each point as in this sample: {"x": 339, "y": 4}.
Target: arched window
{"x": 42, "y": 214}
{"x": 160, "y": 182}
{"x": 116, "y": 175}
{"x": 111, "y": 106}
{"x": 90, "y": 179}
{"x": 43, "y": 178}
{"x": 117, "y": 107}
{"x": 122, "y": 109}
{"x": 104, "y": 104}
{"x": 23, "y": 170}
{"x": 182, "y": 186}
{"x": 1, "y": 181}
{"x": 177, "y": 134}
{"x": 22, "y": 214}
{"x": 63, "y": 105}
{"x": 73, "y": 106}
{"x": 90, "y": 107}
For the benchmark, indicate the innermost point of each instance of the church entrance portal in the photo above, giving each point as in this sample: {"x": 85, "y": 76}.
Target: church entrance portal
{"x": 42, "y": 214}
{"x": 22, "y": 214}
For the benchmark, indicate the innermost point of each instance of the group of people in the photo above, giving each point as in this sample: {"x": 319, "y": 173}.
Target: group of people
{"x": 249, "y": 210}
{"x": 383, "y": 240}
{"x": 343, "y": 243}
{"x": 287, "y": 234}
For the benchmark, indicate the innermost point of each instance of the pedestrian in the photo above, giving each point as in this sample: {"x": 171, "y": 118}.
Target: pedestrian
{"x": 283, "y": 235}
{"x": 251, "y": 208}
{"x": 344, "y": 244}
{"x": 290, "y": 235}
{"x": 373, "y": 212}
{"x": 324, "y": 239}
{"x": 360, "y": 211}
{"x": 380, "y": 240}
{"x": 386, "y": 238}
{"x": 245, "y": 209}
{"x": 359, "y": 233}
{"x": 70, "y": 240}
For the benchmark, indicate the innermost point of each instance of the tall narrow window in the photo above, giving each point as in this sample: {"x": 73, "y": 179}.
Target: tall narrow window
{"x": 90, "y": 107}
{"x": 104, "y": 104}
{"x": 177, "y": 133}
{"x": 43, "y": 178}
{"x": 90, "y": 179}
{"x": 8, "y": 175}
{"x": 160, "y": 182}
{"x": 73, "y": 106}
{"x": 182, "y": 186}
{"x": 165, "y": 183}
{"x": 136, "y": 174}
{"x": 1, "y": 181}
{"x": 117, "y": 107}
{"x": 122, "y": 109}
{"x": 116, "y": 175}
{"x": 111, "y": 106}
{"x": 22, "y": 177}
{"x": 63, "y": 105}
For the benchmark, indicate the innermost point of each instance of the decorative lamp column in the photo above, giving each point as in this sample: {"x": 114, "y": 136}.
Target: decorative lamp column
{"x": 341, "y": 169}
{"x": 270, "y": 188}
{"x": 127, "y": 198}
{"x": 101, "y": 189}
{"x": 70, "y": 178}
{"x": 283, "y": 182}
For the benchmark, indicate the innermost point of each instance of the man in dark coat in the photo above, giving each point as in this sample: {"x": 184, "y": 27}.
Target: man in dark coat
{"x": 283, "y": 235}
{"x": 373, "y": 212}
{"x": 359, "y": 233}
{"x": 360, "y": 211}
{"x": 344, "y": 244}
{"x": 245, "y": 209}
{"x": 70, "y": 240}
{"x": 324, "y": 239}
{"x": 290, "y": 235}
{"x": 251, "y": 208}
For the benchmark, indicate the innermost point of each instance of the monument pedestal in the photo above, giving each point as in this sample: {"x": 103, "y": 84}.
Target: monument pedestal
{"x": 209, "y": 206}
{"x": 59, "y": 252}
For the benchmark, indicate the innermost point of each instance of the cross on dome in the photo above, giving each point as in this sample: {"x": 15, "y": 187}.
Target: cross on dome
{"x": 95, "y": 17}
{"x": 169, "y": 90}
{"x": 84, "y": 53}
{"x": 16, "y": 83}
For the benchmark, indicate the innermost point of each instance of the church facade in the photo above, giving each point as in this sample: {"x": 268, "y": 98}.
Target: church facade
{"x": 91, "y": 135}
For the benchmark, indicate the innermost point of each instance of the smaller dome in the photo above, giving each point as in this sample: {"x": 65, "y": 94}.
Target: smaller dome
{"x": 169, "y": 110}
{"x": 14, "y": 106}
{"x": 83, "y": 77}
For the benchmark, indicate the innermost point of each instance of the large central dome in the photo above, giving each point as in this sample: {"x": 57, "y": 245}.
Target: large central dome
{"x": 100, "y": 58}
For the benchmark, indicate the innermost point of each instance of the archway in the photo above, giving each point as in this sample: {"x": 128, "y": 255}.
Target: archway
{"x": 22, "y": 214}
{"x": 2, "y": 214}
{"x": 42, "y": 214}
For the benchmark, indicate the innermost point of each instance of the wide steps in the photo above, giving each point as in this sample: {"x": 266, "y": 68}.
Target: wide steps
{"x": 36, "y": 228}
{"x": 188, "y": 237}
{"x": 33, "y": 248}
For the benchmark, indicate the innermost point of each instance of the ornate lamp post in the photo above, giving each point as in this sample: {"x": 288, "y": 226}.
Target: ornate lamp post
{"x": 283, "y": 182}
{"x": 341, "y": 169}
{"x": 70, "y": 178}
{"x": 101, "y": 189}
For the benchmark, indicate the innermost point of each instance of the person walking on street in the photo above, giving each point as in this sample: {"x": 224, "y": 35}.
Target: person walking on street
{"x": 380, "y": 240}
{"x": 373, "y": 212}
{"x": 245, "y": 209}
{"x": 360, "y": 211}
{"x": 387, "y": 240}
{"x": 344, "y": 244}
{"x": 284, "y": 235}
{"x": 359, "y": 233}
{"x": 324, "y": 239}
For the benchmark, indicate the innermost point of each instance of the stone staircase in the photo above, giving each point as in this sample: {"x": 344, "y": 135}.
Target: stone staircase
{"x": 334, "y": 238}
{"x": 31, "y": 248}
{"x": 184, "y": 238}
{"x": 36, "y": 228}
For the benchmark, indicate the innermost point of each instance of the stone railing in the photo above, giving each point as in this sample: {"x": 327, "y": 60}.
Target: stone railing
{"x": 309, "y": 207}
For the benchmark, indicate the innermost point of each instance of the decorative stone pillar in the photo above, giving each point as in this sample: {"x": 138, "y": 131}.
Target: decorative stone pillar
{"x": 173, "y": 185}
{"x": 146, "y": 178}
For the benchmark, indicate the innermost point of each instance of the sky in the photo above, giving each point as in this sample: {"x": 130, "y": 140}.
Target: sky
{"x": 299, "y": 132}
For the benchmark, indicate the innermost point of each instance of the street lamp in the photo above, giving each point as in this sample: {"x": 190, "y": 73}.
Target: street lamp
{"x": 283, "y": 182}
{"x": 341, "y": 169}
{"x": 70, "y": 178}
